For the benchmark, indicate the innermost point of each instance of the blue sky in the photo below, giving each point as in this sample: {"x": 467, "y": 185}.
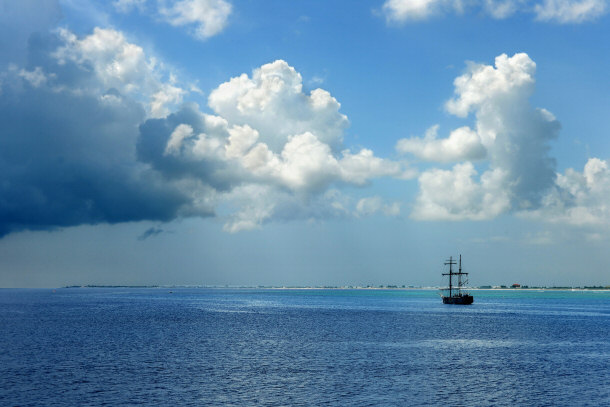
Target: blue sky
{"x": 295, "y": 143}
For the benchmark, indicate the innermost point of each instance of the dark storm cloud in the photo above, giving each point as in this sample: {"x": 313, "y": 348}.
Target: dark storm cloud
{"x": 81, "y": 141}
{"x": 67, "y": 155}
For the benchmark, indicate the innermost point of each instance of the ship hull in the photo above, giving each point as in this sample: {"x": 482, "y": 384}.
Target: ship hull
{"x": 459, "y": 300}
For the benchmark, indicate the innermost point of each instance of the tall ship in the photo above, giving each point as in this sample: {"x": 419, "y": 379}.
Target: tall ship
{"x": 454, "y": 294}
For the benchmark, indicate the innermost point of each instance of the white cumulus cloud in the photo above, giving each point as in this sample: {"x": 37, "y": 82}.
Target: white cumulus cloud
{"x": 290, "y": 137}
{"x": 209, "y": 17}
{"x": 570, "y": 11}
{"x": 269, "y": 149}
{"x": 515, "y": 136}
{"x": 579, "y": 198}
{"x": 121, "y": 65}
{"x": 202, "y": 18}
{"x": 560, "y": 11}
{"x": 404, "y": 10}
{"x": 456, "y": 194}
{"x": 517, "y": 174}
{"x": 273, "y": 102}
{"x": 484, "y": 86}
{"x": 462, "y": 144}
{"x": 305, "y": 165}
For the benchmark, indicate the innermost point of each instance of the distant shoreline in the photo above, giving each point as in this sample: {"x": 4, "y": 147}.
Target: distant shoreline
{"x": 397, "y": 288}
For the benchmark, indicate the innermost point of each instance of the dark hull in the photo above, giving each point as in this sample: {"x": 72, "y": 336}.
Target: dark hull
{"x": 458, "y": 300}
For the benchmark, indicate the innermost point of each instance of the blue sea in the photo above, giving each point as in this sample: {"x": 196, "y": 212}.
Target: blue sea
{"x": 302, "y": 347}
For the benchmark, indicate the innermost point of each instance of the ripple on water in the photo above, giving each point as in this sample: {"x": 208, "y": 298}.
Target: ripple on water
{"x": 298, "y": 348}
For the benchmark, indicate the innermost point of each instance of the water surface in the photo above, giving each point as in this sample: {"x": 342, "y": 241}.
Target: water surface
{"x": 125, "y": 346}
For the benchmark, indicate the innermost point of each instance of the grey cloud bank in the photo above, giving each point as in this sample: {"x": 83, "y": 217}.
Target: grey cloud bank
{"x": 67, "y": 156}
{"x": 95, "y": 131}
{"x": 81, "y": 143}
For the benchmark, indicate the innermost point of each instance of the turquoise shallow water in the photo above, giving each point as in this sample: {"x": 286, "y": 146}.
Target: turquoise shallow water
{"x": 269, "y": 347}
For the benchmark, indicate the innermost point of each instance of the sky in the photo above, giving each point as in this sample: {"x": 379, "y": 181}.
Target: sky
{"x": 242, "y": 142}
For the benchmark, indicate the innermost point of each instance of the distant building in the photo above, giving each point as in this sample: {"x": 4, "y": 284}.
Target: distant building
{"x": 516, "y": 285}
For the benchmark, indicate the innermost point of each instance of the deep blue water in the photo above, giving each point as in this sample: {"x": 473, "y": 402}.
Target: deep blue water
{"x": 217, "y": 347}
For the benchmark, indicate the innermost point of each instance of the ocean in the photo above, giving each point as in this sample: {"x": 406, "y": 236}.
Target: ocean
{"x": 302, "y": 347}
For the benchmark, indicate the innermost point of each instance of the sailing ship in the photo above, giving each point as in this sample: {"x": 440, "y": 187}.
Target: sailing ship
{"x": 455, "y": 293}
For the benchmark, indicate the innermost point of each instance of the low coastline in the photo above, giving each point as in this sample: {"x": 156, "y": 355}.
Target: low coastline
{"x": 355, "y": 287}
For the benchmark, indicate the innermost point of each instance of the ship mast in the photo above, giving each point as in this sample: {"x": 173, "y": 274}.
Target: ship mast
{"x": 451, "y": 262}
{"x": 460, "y": 275}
